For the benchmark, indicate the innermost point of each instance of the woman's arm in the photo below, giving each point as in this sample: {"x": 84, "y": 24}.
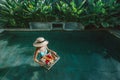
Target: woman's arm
{"x": 35, "y": 55}
{"x": 35, "y": 58}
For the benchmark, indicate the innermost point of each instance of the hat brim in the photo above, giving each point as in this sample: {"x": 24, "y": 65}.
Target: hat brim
{"x": 35, "y": 44}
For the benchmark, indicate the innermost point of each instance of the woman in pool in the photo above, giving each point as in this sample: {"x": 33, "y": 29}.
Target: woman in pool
{"x": 43, "y": 55}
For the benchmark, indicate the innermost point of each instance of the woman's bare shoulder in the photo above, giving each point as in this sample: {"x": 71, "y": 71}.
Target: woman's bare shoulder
{"x": 37, "y": 50}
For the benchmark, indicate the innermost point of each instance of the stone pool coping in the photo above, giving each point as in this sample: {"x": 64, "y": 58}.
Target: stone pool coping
{"x": 116, "y": 33}
{"x": 112, "y": 31}
{"x": 1, "y": 30}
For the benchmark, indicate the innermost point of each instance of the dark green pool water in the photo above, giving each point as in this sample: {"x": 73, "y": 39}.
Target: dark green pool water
{"x": 85, "y": 55}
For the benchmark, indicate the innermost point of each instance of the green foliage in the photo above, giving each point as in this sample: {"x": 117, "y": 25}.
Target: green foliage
{"x": 20, "y": 13}
{"x": 7, "y": 11}
{"x": 102, "y": 13}
{"x": 38, "y": 10}
{"x": 70, "y": 12}
{"x": 99, "y": 13}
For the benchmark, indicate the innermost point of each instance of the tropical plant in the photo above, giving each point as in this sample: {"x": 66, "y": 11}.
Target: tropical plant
{"x": 99, "y": 13}
{"x": 70, "y": 12}
{"x": 38, "y": 10}
{"x": 113, "y": 10}
{"x": 7, "y": 11}
{"x": 95, "y": 12}
{"x": 20, "y": 13}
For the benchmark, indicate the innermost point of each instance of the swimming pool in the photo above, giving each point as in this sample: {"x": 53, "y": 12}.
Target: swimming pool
{"x": 85, "y": 55}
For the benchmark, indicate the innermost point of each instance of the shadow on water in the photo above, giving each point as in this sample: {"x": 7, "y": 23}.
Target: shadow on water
{"x": 65, "y": 41}
{"x": 112, "y": 44}
{"x": 27, "y": 38}
{"x": 112, "y": 54}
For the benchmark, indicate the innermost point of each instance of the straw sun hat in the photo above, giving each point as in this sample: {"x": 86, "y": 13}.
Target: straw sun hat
{"x": 39, "y": 42}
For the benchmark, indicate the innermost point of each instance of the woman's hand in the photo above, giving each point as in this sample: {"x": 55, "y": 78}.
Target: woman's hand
{"x": 41, "y": 63}
{"x": 53, "y": 52}
{"x": 36, "y": 60}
